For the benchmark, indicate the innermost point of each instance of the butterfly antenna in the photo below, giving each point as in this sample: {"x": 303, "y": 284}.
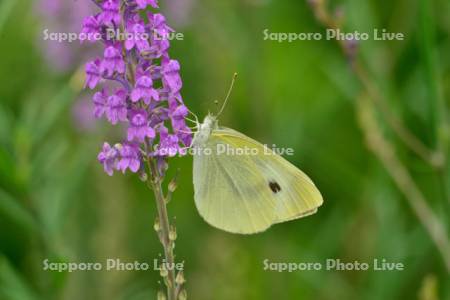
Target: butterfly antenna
{"x": 195, "y": 116}
{"x": 190, "y": 120}
{"x": 228, "y": 94}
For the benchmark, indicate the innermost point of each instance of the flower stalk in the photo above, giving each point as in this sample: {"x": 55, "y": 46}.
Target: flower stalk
{"x": 142, "y": 95}
{"x": 163, "y": 230}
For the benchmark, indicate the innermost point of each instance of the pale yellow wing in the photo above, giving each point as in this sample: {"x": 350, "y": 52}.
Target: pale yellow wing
{"x": 227, "y": 193}
{"x": 248, "y": 193}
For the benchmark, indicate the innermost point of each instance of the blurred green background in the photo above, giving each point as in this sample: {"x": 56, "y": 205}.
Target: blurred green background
{"x": 57, "y": 203}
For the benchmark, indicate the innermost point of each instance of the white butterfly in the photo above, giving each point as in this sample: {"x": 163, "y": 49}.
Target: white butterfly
{"x": 246, "y": 194}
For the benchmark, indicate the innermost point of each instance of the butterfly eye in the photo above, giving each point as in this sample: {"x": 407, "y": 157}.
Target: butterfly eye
{"x": 274, "y": 187}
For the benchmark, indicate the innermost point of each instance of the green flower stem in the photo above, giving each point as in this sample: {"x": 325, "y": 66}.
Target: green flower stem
{"x": 163, "y": 228}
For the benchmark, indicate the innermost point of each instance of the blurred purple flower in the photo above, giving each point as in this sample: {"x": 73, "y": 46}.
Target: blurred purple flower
{"x": 93, "y": 76}
{"x": 83, "y": 119}
{"x": 100, "y": 100}
{"x": 62, "y": 16}
{"x": 180, "y": 11}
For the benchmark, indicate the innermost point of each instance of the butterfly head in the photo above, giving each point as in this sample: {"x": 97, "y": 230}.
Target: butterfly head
{"x": 204, "y": 130}
{"x": 210, "y": 123}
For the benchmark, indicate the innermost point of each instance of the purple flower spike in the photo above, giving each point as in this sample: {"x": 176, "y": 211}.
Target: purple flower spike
{"x": 108, "y": 157}
{"x": 129, "y": 158}
{"x": 139, "y": 128}
{"x": 117, "y": 108}
{"x": 93, "y": 76}
{"x": 100, "y": 100}
{"x": 144, "y": 90}
{"x": 112, "y": 61}
{"x": 149, "y": 101}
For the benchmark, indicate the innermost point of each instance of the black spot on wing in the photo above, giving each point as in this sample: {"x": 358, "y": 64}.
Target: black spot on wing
{"x": 274, "y": 187}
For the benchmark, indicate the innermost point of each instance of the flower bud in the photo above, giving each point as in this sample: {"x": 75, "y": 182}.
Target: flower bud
{"x": 339, "y": 15}
{"x": 180, "y": 278}
{"x": 143, "y": 176}
{"x": 157, "y": 225}
{"x": 163, "y": 271}
{"x": 182, "y": 295}
{"x": 172, "y": 233}
{"x": 351, "y": 48}
{"x": 161, "y": 296}
{"x": 172, "y": 185}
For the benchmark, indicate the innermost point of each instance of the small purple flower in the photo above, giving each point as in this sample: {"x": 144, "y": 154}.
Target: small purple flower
{"x": 142, "y": 4}
{"x": 178, "y": 116}
{"x": 138, "y": 34}
{"x": 93, "y": 76}
{"x": 168, "y": 145}
{"x": 160, "y": 35}
{"x": 111, "y": 12}
{"x": 117, "y": 107}
{"x": 159, "y": 47}
{"x": 144, "y": 90}
{"x": 159, "y": 25}
{"x": 139, "y": 127}
{"x": 171, "y": 75}
{"x": 100, "y": 100}
{"x": 91, "y": 27}
{"x": 158, "y": 116}
{"x": 186, "y": 139}
{"x": 129, "y": 158}
{"x": 108, "y": 157}
{"x": 113, "y": 61}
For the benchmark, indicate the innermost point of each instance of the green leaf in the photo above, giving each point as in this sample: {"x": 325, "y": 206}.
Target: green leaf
{"x": 6, "y": 7}
{"x": 16, "y": 212}
{"x": 53, "y": 112}
{"x": 12, "y": 285}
